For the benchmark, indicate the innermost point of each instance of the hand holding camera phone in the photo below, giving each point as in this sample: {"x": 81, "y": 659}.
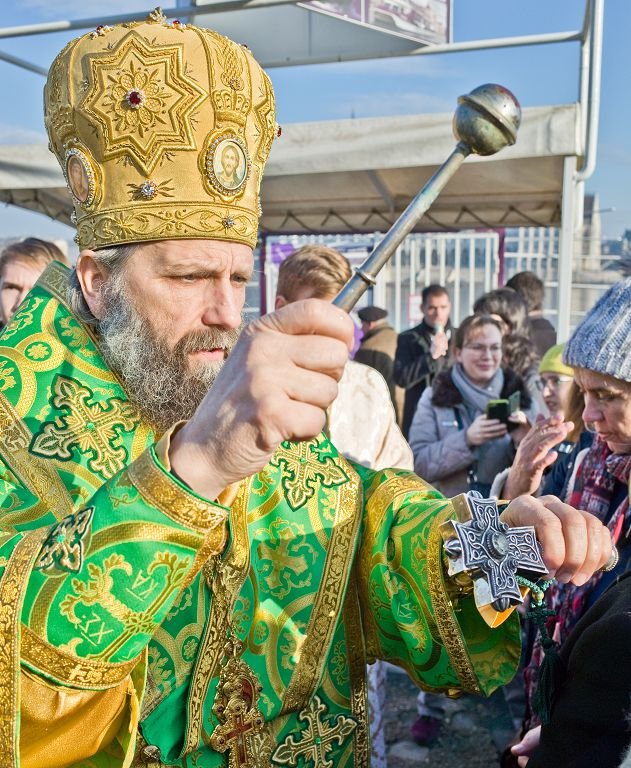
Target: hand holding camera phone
{"x": 503, "y": 408}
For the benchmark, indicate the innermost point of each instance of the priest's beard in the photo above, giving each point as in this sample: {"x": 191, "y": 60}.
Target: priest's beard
{"x": 159, "y": 380}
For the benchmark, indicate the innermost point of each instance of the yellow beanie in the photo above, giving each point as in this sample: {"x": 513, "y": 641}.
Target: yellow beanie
{"x": 552, "y": 362}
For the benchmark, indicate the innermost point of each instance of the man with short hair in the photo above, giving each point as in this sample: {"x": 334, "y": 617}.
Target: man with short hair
{"x": 422, "y": 350}
{"x": 21, "y": 264}
{"x": 192, "y": 574}
{"x": 531, "y": 289}
{"x": 318, "y": 271}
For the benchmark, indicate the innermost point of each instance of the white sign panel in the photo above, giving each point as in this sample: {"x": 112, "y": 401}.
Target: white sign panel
{"x": 427, "y": 21}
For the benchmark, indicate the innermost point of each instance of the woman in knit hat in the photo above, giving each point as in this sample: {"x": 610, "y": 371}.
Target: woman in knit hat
{"x": 599, "y": 351}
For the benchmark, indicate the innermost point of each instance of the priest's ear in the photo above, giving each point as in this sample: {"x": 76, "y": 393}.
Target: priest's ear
{"x": 92, "y": 276}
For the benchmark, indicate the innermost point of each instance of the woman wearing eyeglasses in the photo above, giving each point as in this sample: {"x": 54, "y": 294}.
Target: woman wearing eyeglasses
{"x": 456, "y": 446}
{"x": 518, "y": 349}
{"x": 546, "y": 455}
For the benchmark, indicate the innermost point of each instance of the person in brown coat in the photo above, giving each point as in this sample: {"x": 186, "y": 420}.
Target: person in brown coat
{"x": 378, "y": 346}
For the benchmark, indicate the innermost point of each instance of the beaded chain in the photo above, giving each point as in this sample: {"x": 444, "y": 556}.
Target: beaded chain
{"x": 538, "y": 611}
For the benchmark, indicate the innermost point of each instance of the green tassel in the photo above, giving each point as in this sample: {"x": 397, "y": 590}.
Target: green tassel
{"x": 551, "y": 669}
{"x": 548, "y": 680}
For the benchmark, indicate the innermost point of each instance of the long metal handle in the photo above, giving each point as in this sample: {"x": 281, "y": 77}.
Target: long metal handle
{"x": 365, "y": 275}
{"x": 485, "y": 121}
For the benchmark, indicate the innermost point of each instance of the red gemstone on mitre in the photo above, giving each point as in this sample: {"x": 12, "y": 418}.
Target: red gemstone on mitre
{"x": 134, "y": 98}
{"x": 176, "y": 22}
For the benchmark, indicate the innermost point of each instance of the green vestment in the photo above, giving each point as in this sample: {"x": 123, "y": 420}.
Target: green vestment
{"x": 254, "y": 623}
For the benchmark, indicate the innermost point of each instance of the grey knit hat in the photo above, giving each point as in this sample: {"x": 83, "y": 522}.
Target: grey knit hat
{"x": 602, "y": 341}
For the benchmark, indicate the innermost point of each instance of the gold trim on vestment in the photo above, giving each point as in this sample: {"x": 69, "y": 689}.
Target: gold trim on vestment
{"x": 38, "y": 475}
{"x": 357, "y": 677}
{"x": 443, "y": 608}
{"x": 225, "y": 578}
{"x": 70, "y": 670}
{"x": 330, "y": 596}
{"x": 161, "y": 491}
{"x": 12, "y": 588}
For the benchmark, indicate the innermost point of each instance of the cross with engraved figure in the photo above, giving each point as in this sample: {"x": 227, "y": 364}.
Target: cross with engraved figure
{"x": 234, "y": 735}
{"x": 483, "y": 549}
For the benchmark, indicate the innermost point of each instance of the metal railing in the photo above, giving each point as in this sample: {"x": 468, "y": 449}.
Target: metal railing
{"x": 467, "y": 263}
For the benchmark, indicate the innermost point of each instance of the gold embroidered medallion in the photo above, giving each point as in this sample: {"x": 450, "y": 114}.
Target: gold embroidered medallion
{"x": 143, "y": 101}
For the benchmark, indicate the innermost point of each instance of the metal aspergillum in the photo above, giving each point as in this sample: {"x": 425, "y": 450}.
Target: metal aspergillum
{"x": 486, "y": 120}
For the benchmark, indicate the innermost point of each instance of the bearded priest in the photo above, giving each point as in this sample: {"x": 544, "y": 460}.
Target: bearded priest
{"x": 191, "y": 575}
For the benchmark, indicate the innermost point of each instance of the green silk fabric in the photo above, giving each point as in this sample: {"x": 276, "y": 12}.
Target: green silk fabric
{"x": 257, "y": 652}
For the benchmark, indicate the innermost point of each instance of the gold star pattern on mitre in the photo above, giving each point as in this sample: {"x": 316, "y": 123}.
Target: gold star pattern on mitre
{"x": 143, "y": 101}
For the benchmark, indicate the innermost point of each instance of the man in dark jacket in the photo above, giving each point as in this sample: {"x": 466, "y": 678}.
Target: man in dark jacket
{"x": 422, "y": 351}
{"x": 378, "y": 346}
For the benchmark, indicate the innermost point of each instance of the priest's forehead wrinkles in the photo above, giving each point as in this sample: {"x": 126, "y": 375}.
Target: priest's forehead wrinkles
{"x": 211, "y": 262}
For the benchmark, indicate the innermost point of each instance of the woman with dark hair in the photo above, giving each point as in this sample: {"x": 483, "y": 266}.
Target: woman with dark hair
{"x": 519, "y": 351}
{"x": 456, "y": 446}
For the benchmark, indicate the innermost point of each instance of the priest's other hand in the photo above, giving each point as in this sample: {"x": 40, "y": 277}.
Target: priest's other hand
{"x": 574, "y": 543}
{"x": 276, "y": 385}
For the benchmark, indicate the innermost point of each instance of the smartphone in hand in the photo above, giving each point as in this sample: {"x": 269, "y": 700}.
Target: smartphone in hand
{"x": 501, "y": 409}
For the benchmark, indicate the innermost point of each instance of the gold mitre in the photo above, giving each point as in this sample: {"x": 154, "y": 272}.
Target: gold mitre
{"x": 162, "y": 130}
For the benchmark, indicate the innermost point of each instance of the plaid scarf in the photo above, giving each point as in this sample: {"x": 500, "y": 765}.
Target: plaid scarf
{"x": 593, "y": 492}
{"x": 596, "y": 481}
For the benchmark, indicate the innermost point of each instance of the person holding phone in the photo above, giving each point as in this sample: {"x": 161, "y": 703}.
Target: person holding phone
{"x": 458, "y": 447}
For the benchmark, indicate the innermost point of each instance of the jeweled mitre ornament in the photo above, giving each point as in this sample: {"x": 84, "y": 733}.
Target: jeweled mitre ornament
{"x": 162, "y": 130}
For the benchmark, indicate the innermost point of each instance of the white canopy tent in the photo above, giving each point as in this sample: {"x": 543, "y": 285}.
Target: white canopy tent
{"x": 358, "y": 175}
{"x": 350, "y": 176}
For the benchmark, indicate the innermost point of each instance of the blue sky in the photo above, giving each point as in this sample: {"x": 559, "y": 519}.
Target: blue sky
{"x": 538, "y": 75}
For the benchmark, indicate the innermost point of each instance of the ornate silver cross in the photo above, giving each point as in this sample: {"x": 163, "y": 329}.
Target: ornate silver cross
{"x": 484, "y": 550}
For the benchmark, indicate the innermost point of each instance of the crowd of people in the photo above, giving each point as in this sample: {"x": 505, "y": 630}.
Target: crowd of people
{"x": 569, "y": 438}
{"x": 215, "y": 536}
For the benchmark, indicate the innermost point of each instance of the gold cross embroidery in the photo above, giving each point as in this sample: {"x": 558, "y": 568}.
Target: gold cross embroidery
{"x": 303, "y": 465}
{"x": 93, "y": 428}
{"x": 317, "y": 740}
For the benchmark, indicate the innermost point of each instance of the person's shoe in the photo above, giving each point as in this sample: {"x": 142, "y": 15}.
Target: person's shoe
{"x": 425, "y": 729}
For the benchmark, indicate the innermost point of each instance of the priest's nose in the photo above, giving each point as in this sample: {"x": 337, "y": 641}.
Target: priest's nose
{"x": 223, "y": 305}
